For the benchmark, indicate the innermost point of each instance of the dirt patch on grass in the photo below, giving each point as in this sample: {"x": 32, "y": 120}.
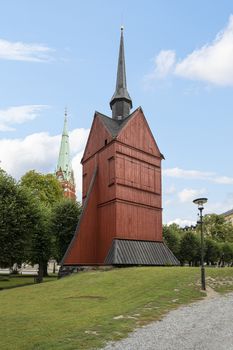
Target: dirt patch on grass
{"x": 210, "y": 293}
{"x": 89, "y": 297}
{"x": 216, "y": 283}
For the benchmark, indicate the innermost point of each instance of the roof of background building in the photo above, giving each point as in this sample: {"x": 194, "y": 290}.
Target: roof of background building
{"x": 229, "y": 212}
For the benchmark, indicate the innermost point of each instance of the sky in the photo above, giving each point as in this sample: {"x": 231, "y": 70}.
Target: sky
{"x": 179, "y": 61}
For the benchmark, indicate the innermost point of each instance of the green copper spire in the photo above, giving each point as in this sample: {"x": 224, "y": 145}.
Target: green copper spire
{"x": 64, "y": 163}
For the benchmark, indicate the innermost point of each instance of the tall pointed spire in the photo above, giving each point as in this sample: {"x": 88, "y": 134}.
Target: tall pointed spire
{"x": 64, "y": 171}
{"x": 65, "y": 128}
{"x": 121, "y": 102}
{"x": 64, "y": 164}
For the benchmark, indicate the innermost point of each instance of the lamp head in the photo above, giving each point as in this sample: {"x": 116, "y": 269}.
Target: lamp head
{"x": 200, "y": 202}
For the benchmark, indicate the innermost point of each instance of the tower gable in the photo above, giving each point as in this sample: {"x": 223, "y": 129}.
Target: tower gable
{"x": 137, "y": 134}
{"x": 99, "y": 136}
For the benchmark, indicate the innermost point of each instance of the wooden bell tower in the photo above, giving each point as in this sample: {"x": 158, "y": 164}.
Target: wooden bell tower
{"x": 121, "y": 222}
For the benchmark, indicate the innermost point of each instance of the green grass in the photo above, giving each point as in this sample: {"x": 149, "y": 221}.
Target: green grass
{"x": 12, "y": 281}
{"x": 85, "y": 310}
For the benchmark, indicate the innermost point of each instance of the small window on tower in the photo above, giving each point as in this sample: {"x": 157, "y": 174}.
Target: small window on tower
{"x": 84, "y": 185}
{"x": 111, "y": 171}
{"x": 106, "y": 142}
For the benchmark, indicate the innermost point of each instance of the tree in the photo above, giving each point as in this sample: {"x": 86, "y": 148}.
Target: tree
{"x": 217, "y": 228}
{"x": 44, "y": 187}
{"x": 172, "y": 235}
{"x": 227, "y": 253}
{"x": 47, "y": 190}
{"x": 212, "y": 251}
{"x": 18, "y": 217}
{"x": 65, "y": 216}
{"x": 189, "y": 248}
{"x": 41, "y": 247}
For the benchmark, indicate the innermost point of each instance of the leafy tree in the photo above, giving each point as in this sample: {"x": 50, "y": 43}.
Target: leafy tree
{"x": 189, "y": 248}
{"x": 47, "y": 190}
{"x": 44, "y": 187}
{"x": 172, "y": 235}
{"x": 217, "y": 228}
{"x": 65, "y": 216}
{"x": 227, "y": 253}
{"x": 18, "y": 218}
{"x": 212, "y": 251}
{"x": 41, "y": 247}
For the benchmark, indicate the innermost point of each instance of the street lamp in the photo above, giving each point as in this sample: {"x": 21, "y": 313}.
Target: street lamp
{"x": 200, "y": 202}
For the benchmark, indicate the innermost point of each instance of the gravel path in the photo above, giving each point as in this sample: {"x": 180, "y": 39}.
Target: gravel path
{"x": 204, "y": 325}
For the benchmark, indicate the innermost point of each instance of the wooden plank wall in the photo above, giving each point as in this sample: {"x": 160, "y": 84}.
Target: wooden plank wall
{"x": 126, "y": 199}
{"x": 84, "y": 248}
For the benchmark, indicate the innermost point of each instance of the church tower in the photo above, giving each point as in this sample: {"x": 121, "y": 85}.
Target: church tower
{"x": 121, "y": 220}
{"x": 64, "y": 172}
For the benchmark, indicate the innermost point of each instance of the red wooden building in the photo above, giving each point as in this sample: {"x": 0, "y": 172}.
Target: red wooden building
{"x": 121, "y": 222}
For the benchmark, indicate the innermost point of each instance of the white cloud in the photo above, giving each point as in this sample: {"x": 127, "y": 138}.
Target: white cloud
{"x": 18, "y": 115}
{"x": 40, "y": 151}
{"x": 220, "y": 206}
{"x": 187, "y": 174}
{"x": 197, "y": 175}
{"x": 78, "y": 139}
{"x": 164, "y": 63}
{"x": 224, "y": 180}
{"x": 170, "y": 190}
{"x": 181, "y": 222}
{"x": 77, "y": 167}
{"x": 213, "y": 62}
{"x": 188, "y": 194}
{"x": 168, "y": 202}
{"x": 37, "y": 151}
{"x": 20, "y": 51}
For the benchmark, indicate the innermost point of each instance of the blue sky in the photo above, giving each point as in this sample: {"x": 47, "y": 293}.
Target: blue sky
{"x": 179, "y": 59}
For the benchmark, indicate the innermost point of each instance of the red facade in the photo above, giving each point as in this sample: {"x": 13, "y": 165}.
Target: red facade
{"x": 68, "y": 187}
{"x": 121, "y": 189}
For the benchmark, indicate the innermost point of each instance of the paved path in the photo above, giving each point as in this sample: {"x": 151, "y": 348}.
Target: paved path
{"x": 204, "y": 325}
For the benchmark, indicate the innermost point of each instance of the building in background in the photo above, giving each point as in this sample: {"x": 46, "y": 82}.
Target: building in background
{"x": 228, "y": 216}
{"x": 64, "y": 171}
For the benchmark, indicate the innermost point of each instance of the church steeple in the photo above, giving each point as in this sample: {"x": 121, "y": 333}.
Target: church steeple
{"x": 121, "y": 102}
{"x": 64, "y": 172}
{"x": 64, "y": 155}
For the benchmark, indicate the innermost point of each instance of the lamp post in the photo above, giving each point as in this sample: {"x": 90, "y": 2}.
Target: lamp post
{"x": 200, "y": 202}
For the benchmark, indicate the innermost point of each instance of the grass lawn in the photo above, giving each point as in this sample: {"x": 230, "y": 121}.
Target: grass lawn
{"x": 10, "y": 281}
{"x": 85, "y": 310}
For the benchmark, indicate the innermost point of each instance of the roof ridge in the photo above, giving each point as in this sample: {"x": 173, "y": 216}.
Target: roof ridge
{"x": 114, "y": 126}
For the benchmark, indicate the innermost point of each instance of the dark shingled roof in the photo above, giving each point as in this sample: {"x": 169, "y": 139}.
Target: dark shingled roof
{"x": 134, "y": 252}
{"x": 114, "y": 126}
